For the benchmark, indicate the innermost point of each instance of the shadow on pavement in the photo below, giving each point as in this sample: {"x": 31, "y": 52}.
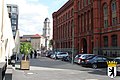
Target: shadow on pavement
{"x": 101, "y": 71}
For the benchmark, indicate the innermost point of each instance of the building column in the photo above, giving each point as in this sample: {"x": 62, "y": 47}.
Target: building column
{"x": 89, "y": 44}
{"x": 75, "y": 24}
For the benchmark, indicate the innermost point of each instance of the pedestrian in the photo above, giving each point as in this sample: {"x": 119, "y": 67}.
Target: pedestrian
{"x": 31, "y": 53}
{"x": 35, "y": 53}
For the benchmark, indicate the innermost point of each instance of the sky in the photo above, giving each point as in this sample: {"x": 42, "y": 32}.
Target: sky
{"x": 32, "y": 14}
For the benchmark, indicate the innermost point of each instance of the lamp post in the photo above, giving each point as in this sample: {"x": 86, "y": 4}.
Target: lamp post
{"x": 72, "y": 43}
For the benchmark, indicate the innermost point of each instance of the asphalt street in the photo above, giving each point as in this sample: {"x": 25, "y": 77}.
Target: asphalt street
{"x": 49, "y": 69}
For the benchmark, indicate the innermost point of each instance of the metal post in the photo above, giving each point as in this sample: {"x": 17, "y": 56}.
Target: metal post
{"x": 72, "y": 43}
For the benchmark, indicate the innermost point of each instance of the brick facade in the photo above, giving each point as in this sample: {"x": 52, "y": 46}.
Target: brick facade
{"x": 96, "y": 26}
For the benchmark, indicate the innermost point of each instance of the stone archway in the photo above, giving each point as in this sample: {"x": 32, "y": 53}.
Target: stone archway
{"x": 84, "y": 45}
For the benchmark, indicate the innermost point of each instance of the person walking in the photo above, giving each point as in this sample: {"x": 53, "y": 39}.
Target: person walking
{"x": 35, "y": 53}
{"x": 31, "y": 54}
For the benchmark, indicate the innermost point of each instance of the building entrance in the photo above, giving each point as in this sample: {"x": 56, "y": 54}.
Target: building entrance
{"x": 84, "y": 46}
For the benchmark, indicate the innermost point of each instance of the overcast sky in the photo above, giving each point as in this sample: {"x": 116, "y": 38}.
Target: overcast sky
{"x": 33, "y": 12}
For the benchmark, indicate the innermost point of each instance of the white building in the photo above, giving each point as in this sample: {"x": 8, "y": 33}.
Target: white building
{"x": 46, "y": 33}
{"x": 6, "y": 36}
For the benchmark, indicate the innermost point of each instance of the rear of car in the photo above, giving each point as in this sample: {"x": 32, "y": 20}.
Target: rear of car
{"x": 77, "y": 57}
{"x": 60, "y": 55}
{"x": 117, "y": 59}
{"x": 83, "y": 57}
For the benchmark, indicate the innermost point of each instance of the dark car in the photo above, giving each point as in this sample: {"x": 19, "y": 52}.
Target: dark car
{"x": 117, "y": 59}
{"x": 48, "y": 54}
{"x": 96, "y": 61}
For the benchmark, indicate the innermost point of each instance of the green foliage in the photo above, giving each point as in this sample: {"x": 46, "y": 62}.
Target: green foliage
{"x": 51, "y": 42}
{"x": 25, "y": 48}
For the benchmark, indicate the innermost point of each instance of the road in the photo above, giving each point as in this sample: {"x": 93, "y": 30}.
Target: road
{"x": 50, "y": 69}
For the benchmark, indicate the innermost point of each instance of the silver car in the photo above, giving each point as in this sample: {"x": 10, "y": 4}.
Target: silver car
{"x": 60, "y": 55}
{"x": 82, "y": 57}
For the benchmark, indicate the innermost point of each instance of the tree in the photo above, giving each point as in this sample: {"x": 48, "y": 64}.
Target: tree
{"x": 51, "y": 42}
{"x": 25, "y": 48}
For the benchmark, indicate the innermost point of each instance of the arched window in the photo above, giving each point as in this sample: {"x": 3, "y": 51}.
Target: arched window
{"x": 113, "y": 11}
{"x": 82, "y": 23}
{"x": 72, "y": 26}
{"x": 84, "y": 3}
{"x": 72, "y": 12}
{"x": 105, "y": 13}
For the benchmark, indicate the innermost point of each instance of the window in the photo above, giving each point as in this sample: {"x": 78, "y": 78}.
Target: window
{"x": 88, "y": 1}
{"x": 84, "y": 3}
{"x": 14, "y": 9}
{"x": 9, "y": 8}
{"x": 105, "y": 12}
{"x": 13, "y": 27}
{"x": 79, "y": 5}
{"x": 113, "y": 10}
{"x": 14, "y": 33}
{"x": 113, "y": 5}
{"x": 114, "y": 40}
{"x": 69, "y": 14}
{"x": 105, "y": 41}
{"x": 114, "y": 21}
{"x": 72, "y": 12}
{"x": 105, "y": 23}
{"x": 13, "y": 21}
{"x": 72, "y": 25}
{"x": 105, "y": 9}
{"x": 82, "y": 23}
{"x": 14, "y": 15}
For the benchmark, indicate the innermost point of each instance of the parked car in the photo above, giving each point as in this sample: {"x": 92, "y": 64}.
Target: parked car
{"x": 97, "y": 61}
{"x": 76, "y": 59}
{"x": 60, "y": 55}
{"x": 82, "y": 57}
{"x": 66, "y": 58}
{"x": 117, "y": 59}
{"x": 48, "y": 54}
{"x": 53, "y": 55}
{"x": 87, "y": 58}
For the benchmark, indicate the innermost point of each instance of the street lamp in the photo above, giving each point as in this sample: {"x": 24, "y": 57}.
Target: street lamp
{"x": 72, "y": 43}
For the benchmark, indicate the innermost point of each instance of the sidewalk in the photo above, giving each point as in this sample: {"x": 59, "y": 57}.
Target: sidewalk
{"x": 49, "y": 69}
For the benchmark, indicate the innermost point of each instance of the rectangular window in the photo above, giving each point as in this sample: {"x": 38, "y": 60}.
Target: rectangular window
{"x": 14, "y": 33}
{"x": 13, "y": 27}
{"x": 105, "y": 23}
{"x": 9, "y": 8}
{"x": 72, "y": 12}
{"x": 14, "y": 15}
{"x": 88, "y": 1}
{"x": 14, "y": 9}
{"x": 105, "y": 41}
{"x": 84, "y": 3}
{"x": 82, "y": 23}
{"x": 13, "y": 21}
{"x": 114, "y": 21}
{"x": 79, "y": 5}
{"x": 114, "y": 41}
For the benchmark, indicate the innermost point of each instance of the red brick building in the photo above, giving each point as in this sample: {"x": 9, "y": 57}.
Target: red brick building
{"x": 96, "y": 26}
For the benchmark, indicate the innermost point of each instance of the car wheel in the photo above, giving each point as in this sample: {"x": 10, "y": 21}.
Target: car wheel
{"x": 94, "y": 66}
